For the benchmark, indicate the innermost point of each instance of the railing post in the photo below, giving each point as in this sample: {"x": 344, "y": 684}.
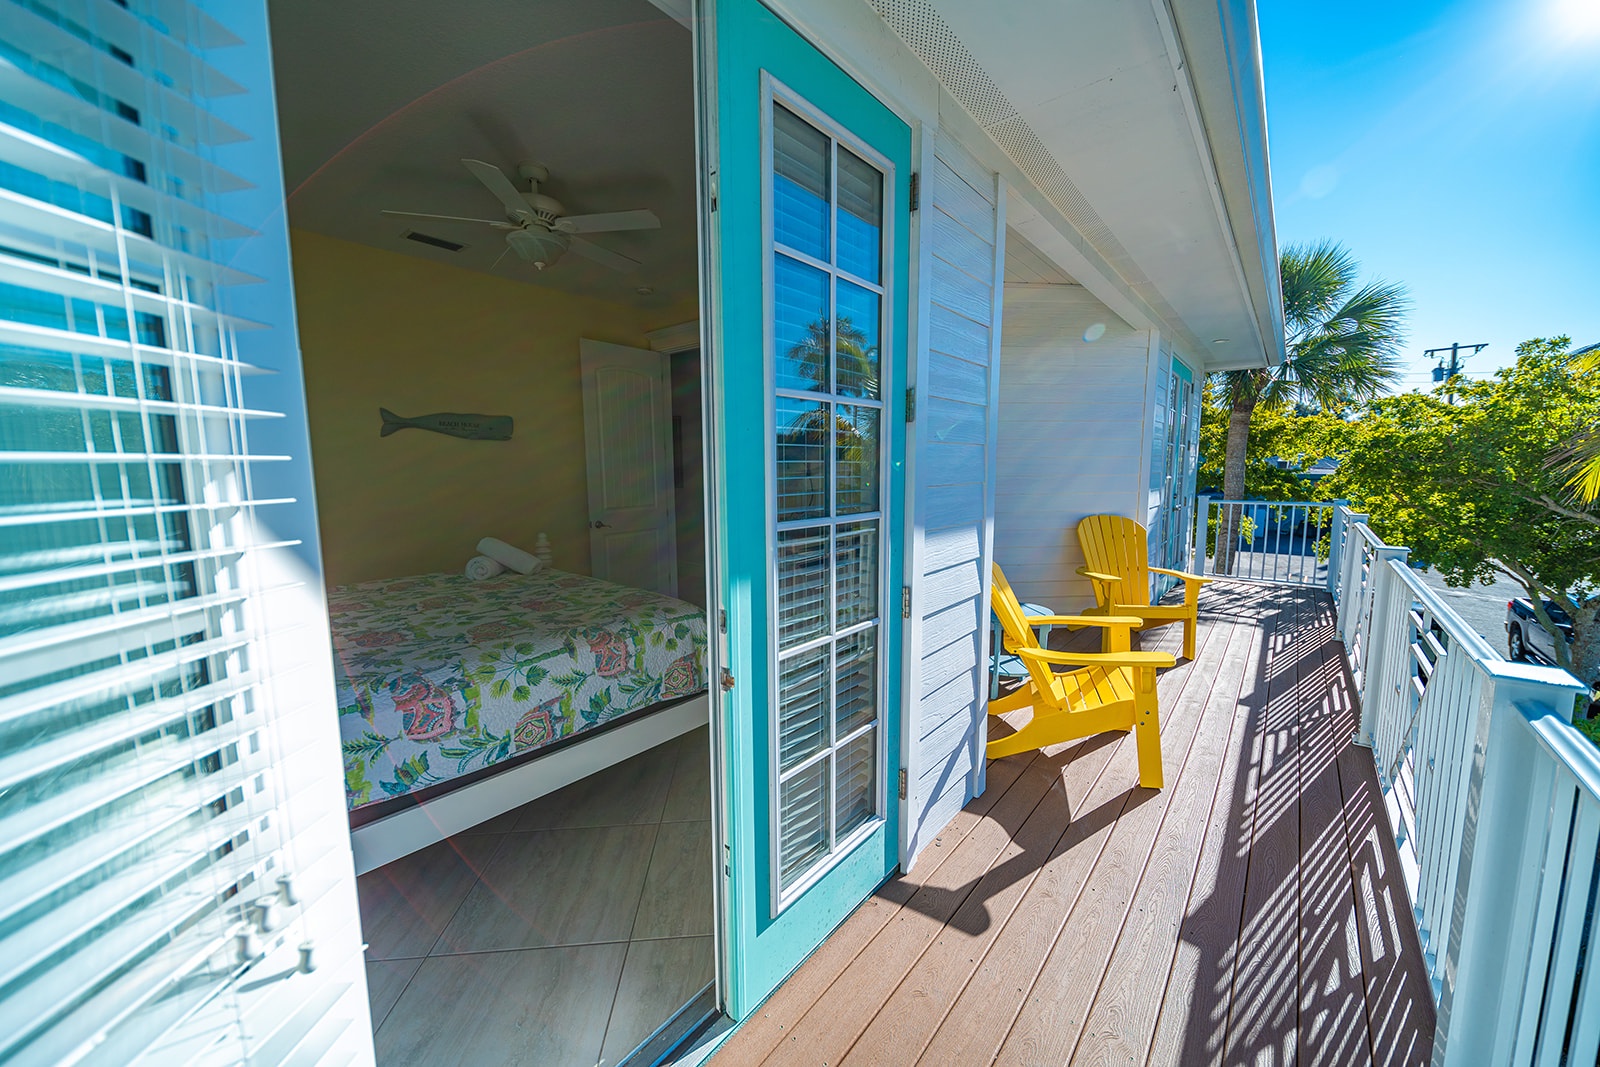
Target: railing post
{"x": 1202, "y": 517}
{"x": 1350, "y": 575}
{"x": 1377, "y": 642}
{"x": 1373, "y": 648}
{"x": 1336, "y": 546}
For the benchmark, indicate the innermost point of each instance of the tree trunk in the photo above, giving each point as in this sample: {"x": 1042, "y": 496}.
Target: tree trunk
{"x": 1230, "y": 519}
{"x": 1582, "y": 657}
{"x": 1586, "y": 643}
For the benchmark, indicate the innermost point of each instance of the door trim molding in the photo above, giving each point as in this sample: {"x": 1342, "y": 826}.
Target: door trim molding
{"x": 680, "y": 337}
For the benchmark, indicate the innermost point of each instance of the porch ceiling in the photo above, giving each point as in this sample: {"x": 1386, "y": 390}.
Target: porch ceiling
{"x": 1153, "y": 115}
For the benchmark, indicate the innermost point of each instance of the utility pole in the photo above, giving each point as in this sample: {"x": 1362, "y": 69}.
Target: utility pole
{"x": 1441, "y": 373}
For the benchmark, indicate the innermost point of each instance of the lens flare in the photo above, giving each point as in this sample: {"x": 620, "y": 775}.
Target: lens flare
{"x": 1095, "y": 332}
{"x": 1579, "y": 18}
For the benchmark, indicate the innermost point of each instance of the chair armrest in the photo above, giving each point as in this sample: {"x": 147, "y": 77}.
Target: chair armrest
{"x": 1185, "y": 575}
{"x": 1097, "y": 576}
{"x": 1103, "y": 621}
{"x": 1100, "y": 659}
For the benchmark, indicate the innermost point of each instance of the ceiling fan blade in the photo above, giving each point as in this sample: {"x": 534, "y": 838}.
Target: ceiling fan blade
{"x": 609, "y": 221}
{"x": 446, "y": 218}
{"x": 603, "y": 256}
{"x": 494, "y": 179}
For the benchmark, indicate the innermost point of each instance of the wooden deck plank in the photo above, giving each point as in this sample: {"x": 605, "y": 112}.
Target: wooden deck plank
{"x": 1072, "y": 955}
{"x": 1399, "y": 1003}
{"x": 911, "y": 1013}
{"x": 1193, "y": 1019}
{"x": 1262, "y": 881}
{"x": 1122, "y": 1021}
{"x": 1332, "y": 992}
{"x": 846, "y": 1008}
{"x": 1262, "y": 1018}
{"x": 770, "y": 1023}
{"x": 924, "y": 999}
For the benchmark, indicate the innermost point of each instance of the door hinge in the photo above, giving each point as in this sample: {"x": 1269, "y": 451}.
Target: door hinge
{"x": 727, "y": 679}
{"x": 916, "y": 191}
{"x": 902, "y": 783}
{"x": 905, "y": 602}
{"x": 722, "y": 619}
{"x": 911, "y": 403}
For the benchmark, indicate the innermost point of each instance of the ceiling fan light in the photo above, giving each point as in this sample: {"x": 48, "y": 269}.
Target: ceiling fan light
{"x": 539, "y": 247}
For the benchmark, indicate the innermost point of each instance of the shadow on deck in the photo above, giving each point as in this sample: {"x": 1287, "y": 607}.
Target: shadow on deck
{"x": 1251, "y": 912}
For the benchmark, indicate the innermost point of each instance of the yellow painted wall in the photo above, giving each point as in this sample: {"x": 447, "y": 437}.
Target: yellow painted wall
{"x": 382, "y": 329}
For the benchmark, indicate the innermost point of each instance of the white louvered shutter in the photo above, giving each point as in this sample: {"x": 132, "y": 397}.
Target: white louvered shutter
{"x": 175, "y": 875}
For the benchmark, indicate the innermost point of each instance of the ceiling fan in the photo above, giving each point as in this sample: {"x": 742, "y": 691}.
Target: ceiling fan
{"x": 537, "y": 227}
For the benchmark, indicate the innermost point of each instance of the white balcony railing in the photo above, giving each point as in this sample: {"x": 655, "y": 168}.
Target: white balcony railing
{"x": 1493, "y": 798}
{"x": 1283, "y": 542}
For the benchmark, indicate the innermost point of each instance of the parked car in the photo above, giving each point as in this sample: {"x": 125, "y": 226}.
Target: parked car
{"x": 1526, "y": 638}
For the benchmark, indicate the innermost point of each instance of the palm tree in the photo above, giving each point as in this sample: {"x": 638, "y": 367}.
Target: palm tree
{"x": 858, "y": 361}
{"x": 1343, "y": 344}
{"x": 1582, "y": 457}
{"x": 803, "y": 444}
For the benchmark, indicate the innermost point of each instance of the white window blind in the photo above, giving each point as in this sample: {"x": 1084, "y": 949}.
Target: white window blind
{"x": 175, "y": 877}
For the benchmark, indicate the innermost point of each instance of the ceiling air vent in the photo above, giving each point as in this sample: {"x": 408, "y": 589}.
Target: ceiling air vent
{"x": 429, "y": 239}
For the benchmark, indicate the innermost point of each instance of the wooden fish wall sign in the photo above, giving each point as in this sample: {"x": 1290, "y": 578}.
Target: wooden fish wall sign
{"x": 471, "y": 427}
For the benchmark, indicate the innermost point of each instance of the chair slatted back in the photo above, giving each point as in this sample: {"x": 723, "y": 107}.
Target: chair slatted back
{"x": 1014, "y": 623}
{"x": 1116, "y": 545}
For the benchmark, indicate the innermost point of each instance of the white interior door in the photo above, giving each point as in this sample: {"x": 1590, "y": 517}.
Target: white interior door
{"x": 627, "y": 429}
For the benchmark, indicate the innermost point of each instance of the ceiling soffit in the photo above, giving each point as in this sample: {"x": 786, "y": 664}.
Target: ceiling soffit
{"x": 1114, "y": 101}
{"x": 925, "y": 32}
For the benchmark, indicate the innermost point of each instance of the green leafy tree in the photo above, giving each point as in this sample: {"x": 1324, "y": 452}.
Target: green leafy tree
{"x": 1283, "y": 442}
{"x": 1343, "y": 343}
{"x": 1470, "y": 489}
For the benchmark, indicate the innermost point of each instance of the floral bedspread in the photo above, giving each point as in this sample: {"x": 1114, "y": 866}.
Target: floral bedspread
{"x": 439, "y": 676}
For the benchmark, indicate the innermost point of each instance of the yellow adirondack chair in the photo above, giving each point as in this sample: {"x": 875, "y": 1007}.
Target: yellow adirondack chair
{"x": 1114, "y": 689}
{"x": 1116, "y": 551}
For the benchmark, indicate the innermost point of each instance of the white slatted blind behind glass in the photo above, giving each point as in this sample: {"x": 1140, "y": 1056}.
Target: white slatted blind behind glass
{"x": 155, "y": 896}
{"x": 827, "y": 298}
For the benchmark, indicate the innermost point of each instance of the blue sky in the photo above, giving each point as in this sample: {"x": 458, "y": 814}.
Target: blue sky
{"x": 1453, "y": 147}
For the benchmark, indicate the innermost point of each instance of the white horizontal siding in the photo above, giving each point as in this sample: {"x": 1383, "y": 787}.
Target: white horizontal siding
{"x": 955, "y": 430}
{"x": 1073, "y": 435}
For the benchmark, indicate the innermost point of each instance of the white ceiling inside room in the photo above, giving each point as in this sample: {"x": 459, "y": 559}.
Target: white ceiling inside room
{"x": 379, "y": 100}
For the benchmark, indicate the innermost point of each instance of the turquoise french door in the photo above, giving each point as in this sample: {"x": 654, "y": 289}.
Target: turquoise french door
{"x": 809, "y": 293}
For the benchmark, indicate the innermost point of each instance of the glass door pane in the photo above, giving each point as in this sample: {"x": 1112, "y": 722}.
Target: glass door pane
{"x": 827, "y": 304}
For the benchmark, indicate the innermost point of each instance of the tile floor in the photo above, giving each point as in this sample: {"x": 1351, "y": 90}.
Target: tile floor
{"x": 561, "y": 933}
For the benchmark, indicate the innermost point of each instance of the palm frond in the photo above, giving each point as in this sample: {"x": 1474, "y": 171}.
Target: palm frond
{"x": 1580, "y": 459}
{"x": 1315, "y": 277}
{"x": 1585, "y": 468}
{"x": 1344, "y": 342}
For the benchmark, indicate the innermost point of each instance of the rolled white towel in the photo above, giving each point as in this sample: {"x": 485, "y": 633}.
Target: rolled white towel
{"x": 509, "y": 556}
{"x": 481, "y": 567}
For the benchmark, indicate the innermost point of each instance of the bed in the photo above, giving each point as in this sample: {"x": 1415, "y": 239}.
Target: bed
{"x": 459, "y": 700}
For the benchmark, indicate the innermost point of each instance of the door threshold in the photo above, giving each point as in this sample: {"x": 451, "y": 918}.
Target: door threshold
{"x": 677, "y": 1034}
